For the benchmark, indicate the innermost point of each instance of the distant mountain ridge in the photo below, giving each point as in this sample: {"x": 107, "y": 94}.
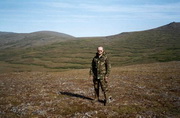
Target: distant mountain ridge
{"x": 4, "y": 33}
{"x": 53, "y": 33}
{"x": 170, "y": 26}
{"x": 10, "y": 39}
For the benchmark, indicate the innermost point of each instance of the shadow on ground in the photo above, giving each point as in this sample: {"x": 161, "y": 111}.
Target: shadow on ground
{"x": 75, "y": 95}
{"x": 79, "y": 96}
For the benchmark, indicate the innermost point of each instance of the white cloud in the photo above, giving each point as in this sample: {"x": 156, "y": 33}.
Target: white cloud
{"x": 133, "y": 8}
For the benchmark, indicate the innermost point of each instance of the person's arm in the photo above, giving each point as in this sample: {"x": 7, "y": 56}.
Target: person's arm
{"x": 108, "y": 68}
{"x": 91, "y": 74}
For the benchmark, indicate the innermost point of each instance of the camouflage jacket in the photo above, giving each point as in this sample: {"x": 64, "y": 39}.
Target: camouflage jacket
{"x": 100, "y": 66}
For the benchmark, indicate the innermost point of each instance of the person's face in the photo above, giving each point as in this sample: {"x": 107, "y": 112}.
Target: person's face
{"x": 100, "y": 51}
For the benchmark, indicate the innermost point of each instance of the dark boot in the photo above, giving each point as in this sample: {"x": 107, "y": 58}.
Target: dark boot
{"x": 105, "y": 99}
{"x": 96, "y": 97}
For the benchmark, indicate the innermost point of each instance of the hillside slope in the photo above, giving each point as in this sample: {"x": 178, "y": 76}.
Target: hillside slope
{"x": 171, "y": 26}
{"x": 159, "y": 44}
{"x": 155, "y": 45}
{"x": 25, "y": 40}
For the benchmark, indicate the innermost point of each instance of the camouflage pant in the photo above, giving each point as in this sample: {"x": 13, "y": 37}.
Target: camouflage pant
{"x": 100, "y": 82}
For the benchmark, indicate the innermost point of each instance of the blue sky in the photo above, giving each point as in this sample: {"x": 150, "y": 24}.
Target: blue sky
{"x": 83, "y": 18}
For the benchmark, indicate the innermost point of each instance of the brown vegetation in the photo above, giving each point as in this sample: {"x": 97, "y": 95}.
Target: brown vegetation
{"x": 146, "y": 90}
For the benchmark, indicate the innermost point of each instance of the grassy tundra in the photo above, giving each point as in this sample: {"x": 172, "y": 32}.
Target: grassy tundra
{"x": 144, "y": 90}
{"x": 46, "y": 74}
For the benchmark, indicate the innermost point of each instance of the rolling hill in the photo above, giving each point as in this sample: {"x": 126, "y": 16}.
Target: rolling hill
{"x": 25, "y": 40}
{"x": 52, "y": 51}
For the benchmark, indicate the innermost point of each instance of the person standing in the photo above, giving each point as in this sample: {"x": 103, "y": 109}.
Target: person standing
{"x": 99, "y": 72}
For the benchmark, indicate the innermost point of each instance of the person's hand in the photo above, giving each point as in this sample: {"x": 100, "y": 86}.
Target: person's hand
{"x": 91, "y": 77}
{"x": 105, "y": 79}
